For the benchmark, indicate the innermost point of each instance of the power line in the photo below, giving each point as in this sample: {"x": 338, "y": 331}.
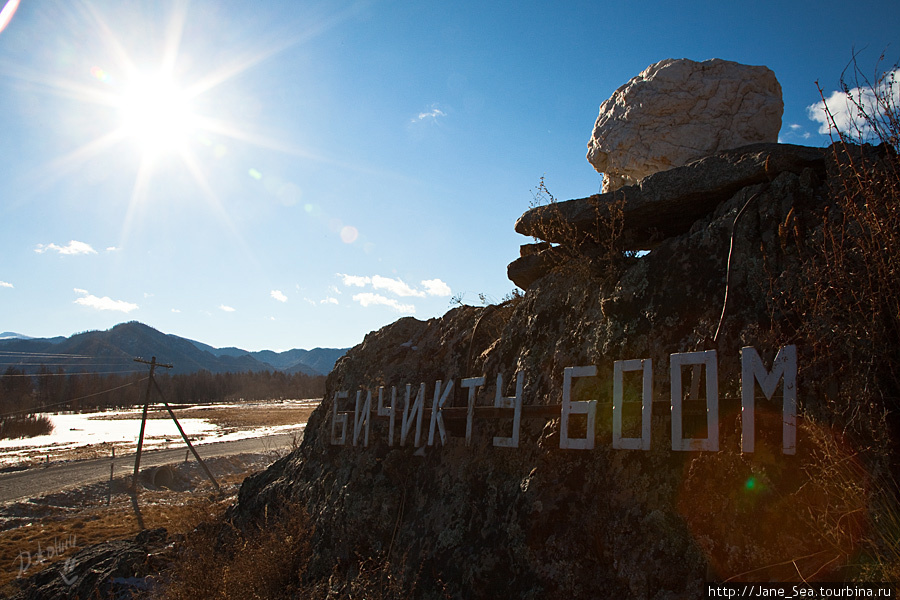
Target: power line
{"x": 61, "y": 364}
{"x": 72, "y": 374}
{"x": 49, "y": 354}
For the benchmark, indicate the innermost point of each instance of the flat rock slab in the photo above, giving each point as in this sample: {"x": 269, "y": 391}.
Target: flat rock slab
{"x": 530, "y": 267}
{"x": 667, "y": 203}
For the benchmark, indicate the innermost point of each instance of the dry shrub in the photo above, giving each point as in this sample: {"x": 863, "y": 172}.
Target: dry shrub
{"x": 598, "y": 252}
{"x": 24, "y": 426}
{"x": 373, "y": 579}
{"x": 846, "y": 302}
{"x": 847, "y": 499}
{"x": 849, "y": 299}
{"x": 217, "y": 560}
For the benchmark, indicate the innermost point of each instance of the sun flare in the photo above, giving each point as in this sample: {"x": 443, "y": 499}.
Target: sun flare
{"x": 156, "y": 115}
{"x": 173, "y": 110}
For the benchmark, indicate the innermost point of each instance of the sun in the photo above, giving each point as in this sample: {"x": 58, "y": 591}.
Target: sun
{"x": 172, "y": 108}
{"x": 156, "y": 114}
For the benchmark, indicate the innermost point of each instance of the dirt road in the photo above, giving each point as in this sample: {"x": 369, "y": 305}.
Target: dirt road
{"x": 37, "y": 481}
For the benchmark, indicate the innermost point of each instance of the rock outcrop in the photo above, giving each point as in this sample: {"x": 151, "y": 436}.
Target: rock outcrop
{"x": 474, "y": 520}
{"x": 661, "y": 206}
{"x": 680, "y": 110}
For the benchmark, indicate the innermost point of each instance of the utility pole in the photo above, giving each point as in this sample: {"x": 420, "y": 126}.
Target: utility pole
{"x": 150, "y": 385}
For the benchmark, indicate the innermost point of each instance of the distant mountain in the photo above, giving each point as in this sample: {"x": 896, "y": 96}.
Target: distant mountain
{"x": 318, "y": 361}
{"x": 12, "y": 335}
{"x": 115, "y": 349}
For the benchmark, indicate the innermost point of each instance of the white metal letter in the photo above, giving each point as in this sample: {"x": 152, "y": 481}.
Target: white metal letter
{"x": 570, "y": 407}
{"x": 619, "y": 367}
{"x": 752, "y": 370}
{"x": 417, "y": 411}
{"x": 436, "y": 417}
{"x": 711, "y": 442}
{"x": 338, "y": 419}
{"x": 388, "y": 412}
{"x": 514, "y": 403}
{"x": 362, "y": 416}
{"x": 471, "y": 383}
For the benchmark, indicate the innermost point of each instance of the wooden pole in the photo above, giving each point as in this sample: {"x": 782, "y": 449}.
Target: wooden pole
{"x": 151, "y": 384}
{"x": 140, "y": 444}
{"x": 186, "y": 440}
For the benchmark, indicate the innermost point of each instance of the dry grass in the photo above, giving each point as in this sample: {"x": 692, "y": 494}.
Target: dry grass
{"x": 246, "y": 417}
{"x": 847, "y": 304}
{"x": 84, "y": 517}
{"x": 854, "y": 508}
{"x": 219, "y": 561}
{"x": 254, "y": 417}
{"x": 599, "y": 252}
{"x": 97, "y": 525}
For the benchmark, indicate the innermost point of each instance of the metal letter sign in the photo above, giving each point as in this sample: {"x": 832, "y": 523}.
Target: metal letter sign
{"x": 703, "y": 367}
{"x": 752, "y": 371}
{"x": 646, "y": 368}
{"x": 707, "y": 359}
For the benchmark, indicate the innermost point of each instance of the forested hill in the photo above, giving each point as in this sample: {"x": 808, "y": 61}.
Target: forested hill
{"x": 83, "y": 352}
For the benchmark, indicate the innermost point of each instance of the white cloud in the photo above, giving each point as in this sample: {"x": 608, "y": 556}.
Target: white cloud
{"x": 369, "y": 299}
{"x": 112, "y": 249}
{"x": 395, "y": 286}
{"x": 436, "y": 287}
{"x": 4, "y": 284}
{"x": 104, "y": 303}
{"x": 278, "y": 295}
{"x": 226, "y": 308}
{"x": 845, "y": 107}
{"x": 175, "y": 310}
{"x": 329, "y": 300}
{"x": 355, "y": 280}
{"x": 793, "y": 131}
{"x": 73, "y": 247}
{"x": 432, "y": 114}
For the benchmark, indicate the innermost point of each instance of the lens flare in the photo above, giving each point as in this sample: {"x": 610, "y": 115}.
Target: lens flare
{"x": 349, "y": 234}
{"x": 100, "y": 75}
{"x": 7, "y": 13}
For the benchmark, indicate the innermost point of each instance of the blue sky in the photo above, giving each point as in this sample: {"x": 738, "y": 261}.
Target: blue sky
{"x": 320, "y": 169}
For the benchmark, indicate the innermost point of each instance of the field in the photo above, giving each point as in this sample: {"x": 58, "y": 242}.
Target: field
{"x": 96, "y": 435}
{"x": 42, "y": 530}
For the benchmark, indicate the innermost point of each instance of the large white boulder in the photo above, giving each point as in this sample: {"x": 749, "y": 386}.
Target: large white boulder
{"x": 679, "y": 110}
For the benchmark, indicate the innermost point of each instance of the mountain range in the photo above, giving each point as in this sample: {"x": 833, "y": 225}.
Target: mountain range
{"x": 114, "y": 350}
